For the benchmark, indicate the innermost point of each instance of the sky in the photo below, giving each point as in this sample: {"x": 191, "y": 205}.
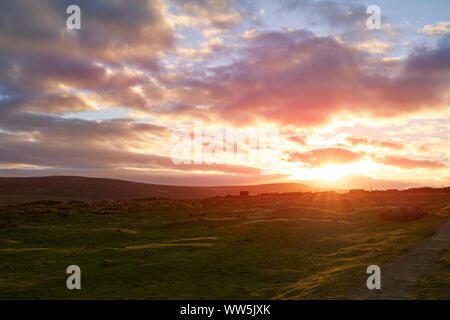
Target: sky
{"x": 150, "y": 90}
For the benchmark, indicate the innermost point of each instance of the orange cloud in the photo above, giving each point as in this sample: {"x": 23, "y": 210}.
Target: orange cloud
{"x": 324, "y": 157}
{"x": 406, "y": 163}
{"x": 374, "y": 142}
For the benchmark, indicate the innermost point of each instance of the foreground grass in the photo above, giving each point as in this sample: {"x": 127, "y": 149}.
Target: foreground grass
{"x": 437, "y": 285}
{"x": 296, "y": 247}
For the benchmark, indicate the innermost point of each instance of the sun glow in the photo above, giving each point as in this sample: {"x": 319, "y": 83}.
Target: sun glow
{"x": 332, "y": 172}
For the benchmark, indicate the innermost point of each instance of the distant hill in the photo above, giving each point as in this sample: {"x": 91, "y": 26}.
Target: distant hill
{"x": 65, "y": 188}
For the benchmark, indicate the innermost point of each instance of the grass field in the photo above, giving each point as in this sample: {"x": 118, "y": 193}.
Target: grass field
{"x": 437, "y": 285}
{"x": 274, "y": 246}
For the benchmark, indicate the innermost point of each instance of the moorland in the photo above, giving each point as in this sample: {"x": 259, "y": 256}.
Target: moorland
{"x": 295, "y": 245}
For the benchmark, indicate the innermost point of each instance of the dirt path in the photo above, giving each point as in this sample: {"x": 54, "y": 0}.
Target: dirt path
{"x": 400, "y": 276}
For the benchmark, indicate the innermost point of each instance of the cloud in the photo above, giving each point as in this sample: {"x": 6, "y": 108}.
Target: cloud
{"x": 354, "y": 141}
{"x": 433, "y": 62}
{"x": 346, "y": 19}
{"x": 219, "y": 14}
{"x": 298, "y": 140}
{"x": 406, "y": 163}
{"x": 48, "y": 68}
{"x": 43, "y": 130}
{"x": 437, "y": 29}
{"x": 19, "y": 153}
{"x": 325, "y": 156}
{"x": 118, "y": 32}
{"x": 297, "y": 78}
{"x": 374, "y": 46}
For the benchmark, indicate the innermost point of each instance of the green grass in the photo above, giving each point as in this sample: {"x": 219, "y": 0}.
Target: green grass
{"x": 254, "y": 248}
{"x": 437, "y": 286}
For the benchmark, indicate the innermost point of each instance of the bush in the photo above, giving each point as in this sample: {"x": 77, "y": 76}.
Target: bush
{"x": 404, "y": 213}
